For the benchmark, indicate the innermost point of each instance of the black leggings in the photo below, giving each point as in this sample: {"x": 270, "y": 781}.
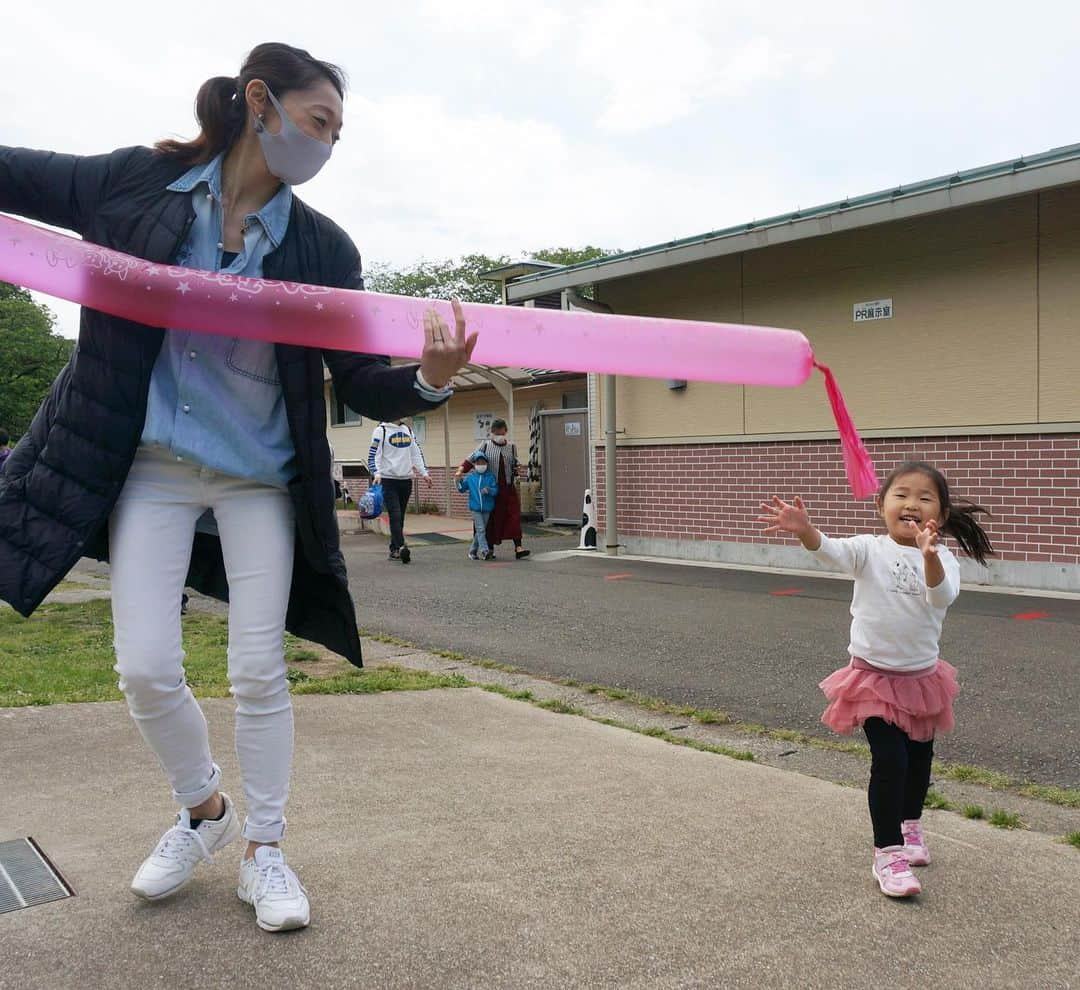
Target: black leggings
{"x": 899, "y": 779}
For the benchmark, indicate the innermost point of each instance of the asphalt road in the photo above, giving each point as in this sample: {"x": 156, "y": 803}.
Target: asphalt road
{"x": 728, "y": 640}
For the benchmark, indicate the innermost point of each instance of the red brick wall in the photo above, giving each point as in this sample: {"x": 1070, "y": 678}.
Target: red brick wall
{"x": 711, "y": 491}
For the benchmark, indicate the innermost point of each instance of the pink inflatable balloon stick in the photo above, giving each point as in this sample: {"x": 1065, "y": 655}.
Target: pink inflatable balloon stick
{"x": 367, "y": 322}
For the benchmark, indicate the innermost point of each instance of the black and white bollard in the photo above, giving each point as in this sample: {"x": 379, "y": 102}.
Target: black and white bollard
{"x": 588, "y": 524}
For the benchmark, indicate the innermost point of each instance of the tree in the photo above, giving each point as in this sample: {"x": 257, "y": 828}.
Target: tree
{"x": 439, "y": 279}
{"x": 461, "y": 277}
{"x": 31, "y": 356}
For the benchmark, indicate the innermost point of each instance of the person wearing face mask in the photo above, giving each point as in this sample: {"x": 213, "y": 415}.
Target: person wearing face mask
{"x": 146, "y": 429}
{"x": 502, "y": 460}
{"x": 481, "y": 488}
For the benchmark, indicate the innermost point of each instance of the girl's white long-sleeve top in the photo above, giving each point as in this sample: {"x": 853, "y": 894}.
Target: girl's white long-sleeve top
{"x": 895, "y": 619}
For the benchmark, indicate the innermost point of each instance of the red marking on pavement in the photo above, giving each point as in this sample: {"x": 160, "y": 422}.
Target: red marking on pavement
{"x": 617, "y": 577}
{"x": 497, "y": 563}
{"x": 787, "y": 591}
{"x": 1028, "y": 616}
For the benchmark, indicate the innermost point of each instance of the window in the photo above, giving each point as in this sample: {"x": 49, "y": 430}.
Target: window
{"x": 341, "y": 414}
{"x": 578, "y": 399}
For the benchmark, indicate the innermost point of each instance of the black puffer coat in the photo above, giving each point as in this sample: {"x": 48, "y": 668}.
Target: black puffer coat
{"x": 58, "y": 487}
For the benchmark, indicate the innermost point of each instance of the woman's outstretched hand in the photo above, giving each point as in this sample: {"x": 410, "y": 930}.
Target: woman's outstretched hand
{"x": 445, "y": 352}
{"x": 784, "y": 518}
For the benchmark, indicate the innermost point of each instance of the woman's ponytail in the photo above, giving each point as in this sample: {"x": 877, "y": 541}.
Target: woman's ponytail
{"x": 221, "y": 113}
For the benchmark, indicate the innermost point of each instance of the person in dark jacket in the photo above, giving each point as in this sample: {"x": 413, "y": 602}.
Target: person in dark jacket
{"x": 145, "y": 430}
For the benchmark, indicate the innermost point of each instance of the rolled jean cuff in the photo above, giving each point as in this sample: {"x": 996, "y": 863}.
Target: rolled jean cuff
{"x": 191, "y": 799}
{"x": 274, "y": 832}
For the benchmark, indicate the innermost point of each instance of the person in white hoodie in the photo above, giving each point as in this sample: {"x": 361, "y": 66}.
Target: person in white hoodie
{"x": 394, "y": 458}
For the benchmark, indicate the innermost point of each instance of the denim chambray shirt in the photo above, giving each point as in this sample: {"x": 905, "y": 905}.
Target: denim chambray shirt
{"x": 217, "y": 401}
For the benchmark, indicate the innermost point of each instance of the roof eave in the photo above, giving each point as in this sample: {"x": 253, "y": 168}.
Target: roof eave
{"x": 1033, "y": 178}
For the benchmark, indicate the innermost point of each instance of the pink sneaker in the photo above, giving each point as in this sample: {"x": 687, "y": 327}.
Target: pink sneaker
{"x": 915, "y": 843}
{"x": 893, "y": 874}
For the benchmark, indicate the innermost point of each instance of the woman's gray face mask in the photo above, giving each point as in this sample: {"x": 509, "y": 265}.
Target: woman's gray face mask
{"x": 291, "y": 155}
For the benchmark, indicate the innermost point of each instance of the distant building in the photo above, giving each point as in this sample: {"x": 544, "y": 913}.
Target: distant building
{"x": 949, "y": 310}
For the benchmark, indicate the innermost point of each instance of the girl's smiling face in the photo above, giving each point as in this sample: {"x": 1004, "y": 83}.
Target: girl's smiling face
{"x": 911, "y": 498}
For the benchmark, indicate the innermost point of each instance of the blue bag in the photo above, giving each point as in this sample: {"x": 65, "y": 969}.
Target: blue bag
{"x": 371, "y": 503}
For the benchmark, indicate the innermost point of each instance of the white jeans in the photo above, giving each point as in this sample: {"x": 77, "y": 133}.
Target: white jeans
{"x": 150, "y": 540}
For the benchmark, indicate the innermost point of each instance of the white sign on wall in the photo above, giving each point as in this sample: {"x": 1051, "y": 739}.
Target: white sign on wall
{"x": 875, "y": 309}
{"x": 483, "y": 425}
{"x": 572, "y": 429}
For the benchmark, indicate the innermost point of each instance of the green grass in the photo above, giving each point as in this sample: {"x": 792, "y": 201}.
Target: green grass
{"x": 63, "y": 653}
{"x": 295, "y": 653}
{"x": 505, "y": 668}
{"x": 972, "y": 775}
{"x": 1073, "y": 839}
{"x": 934, "y": 799}
{"x": 509, "y": 692}
{"x": 1004, "y": 819}
{"x": 375, "y": 680}
{"x": 1066, "y": 797}
{"x": 708, "y": 716}
{"x": 558, "y": 706}
{"x": 974, "y": 811}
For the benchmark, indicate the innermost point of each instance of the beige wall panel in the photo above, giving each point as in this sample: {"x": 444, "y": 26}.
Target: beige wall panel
{"x": 1059, "y": 210}
{"x": 1059, "y": 317}
{"x": 705, "y": 291}
{"x": 955, "y": 232}
{"x": 647, "y": 408}
{"x": 960, "y": 350}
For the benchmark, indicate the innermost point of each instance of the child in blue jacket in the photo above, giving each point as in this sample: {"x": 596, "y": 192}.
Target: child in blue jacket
{"x": 481, "y": 487}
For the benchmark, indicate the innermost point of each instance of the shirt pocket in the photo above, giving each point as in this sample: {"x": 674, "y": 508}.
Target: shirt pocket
{"x": 253, "y": 359}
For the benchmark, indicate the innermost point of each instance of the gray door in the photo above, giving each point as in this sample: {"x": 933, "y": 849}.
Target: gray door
{"x": 565, "y": 464}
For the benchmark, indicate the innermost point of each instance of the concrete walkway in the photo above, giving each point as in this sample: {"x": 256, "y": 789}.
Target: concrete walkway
{"x": 457, "y": 839}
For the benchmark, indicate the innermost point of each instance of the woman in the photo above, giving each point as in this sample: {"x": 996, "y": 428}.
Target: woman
{"x": 146, "y": 429}
{"x": 502, "y": 459}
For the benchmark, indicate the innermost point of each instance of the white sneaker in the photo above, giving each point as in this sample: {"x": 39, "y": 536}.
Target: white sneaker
{"x": 270, "y": 886}
{"x": 171, "y": 865}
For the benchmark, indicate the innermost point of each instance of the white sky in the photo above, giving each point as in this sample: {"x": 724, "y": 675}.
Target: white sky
{"x": 475, "y": 125}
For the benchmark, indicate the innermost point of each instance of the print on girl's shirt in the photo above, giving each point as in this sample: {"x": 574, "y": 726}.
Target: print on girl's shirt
{"x": 906, "y": 579}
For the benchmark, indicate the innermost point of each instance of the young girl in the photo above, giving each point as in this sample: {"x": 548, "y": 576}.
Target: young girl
{"x": 896, "y": 687}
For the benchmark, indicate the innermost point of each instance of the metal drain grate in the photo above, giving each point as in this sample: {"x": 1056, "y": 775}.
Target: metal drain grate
{"x": 27, "y": 878}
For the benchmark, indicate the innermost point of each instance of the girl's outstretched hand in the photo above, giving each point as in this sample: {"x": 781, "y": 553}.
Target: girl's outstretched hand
{"x": 784, "y": 518}
{"x": 926, "y": 537}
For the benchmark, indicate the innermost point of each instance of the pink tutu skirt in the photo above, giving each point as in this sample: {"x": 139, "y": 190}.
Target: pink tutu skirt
{"x": 917, "y": 701}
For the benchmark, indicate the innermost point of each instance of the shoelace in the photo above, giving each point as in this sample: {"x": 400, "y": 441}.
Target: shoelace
{"x": 898, "y": 865}
{"x": 274, "y": 880}
{"x": 176, "y": 843}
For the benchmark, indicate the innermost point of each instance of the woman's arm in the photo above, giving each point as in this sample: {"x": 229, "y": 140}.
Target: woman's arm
{"x": 61, "y": 190}
{"x": 370, "y": 385}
